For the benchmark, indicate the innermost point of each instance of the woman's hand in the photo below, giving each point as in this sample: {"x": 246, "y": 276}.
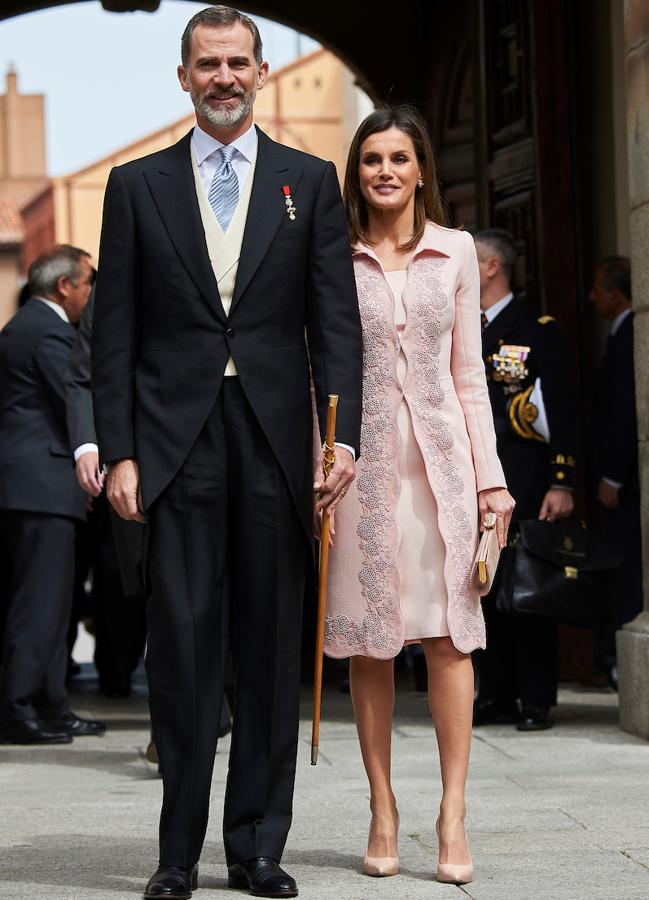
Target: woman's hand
{"x": 500, "y": 502}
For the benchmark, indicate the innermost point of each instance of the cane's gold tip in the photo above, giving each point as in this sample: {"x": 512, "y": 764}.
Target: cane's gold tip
{"x": 314, "y": 755}
{"x": 333, "y": 399}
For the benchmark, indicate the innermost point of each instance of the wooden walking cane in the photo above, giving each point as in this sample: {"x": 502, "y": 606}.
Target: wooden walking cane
{"x": 327, "y": 463}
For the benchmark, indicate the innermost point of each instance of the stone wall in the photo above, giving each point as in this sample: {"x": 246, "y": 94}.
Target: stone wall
{"x": 633, "y": 640}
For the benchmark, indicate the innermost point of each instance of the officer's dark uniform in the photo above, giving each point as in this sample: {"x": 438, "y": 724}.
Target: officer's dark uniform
{"x": 520, "y": 662}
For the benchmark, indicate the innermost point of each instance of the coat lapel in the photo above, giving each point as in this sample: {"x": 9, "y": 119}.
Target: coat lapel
{"x": 174, "y": 194}
{"x": 266, "y": 210}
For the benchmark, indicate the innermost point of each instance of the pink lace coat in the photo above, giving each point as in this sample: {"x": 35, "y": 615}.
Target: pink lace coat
{"x": 446, "y": 391}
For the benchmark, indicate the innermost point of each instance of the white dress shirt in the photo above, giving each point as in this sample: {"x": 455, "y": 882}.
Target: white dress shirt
{"x": 493, "y": 311}
{"x": 58, "y": 309}
{"x": 205, "y": 148}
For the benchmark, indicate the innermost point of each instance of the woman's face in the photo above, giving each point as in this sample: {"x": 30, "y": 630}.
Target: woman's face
{"x": 388, "y": 170}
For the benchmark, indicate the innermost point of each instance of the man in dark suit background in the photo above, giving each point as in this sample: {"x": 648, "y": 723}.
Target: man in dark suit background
{"x": 118, "y": 602}
{"x": 615, "y": 435}
{"x": 217, "y": 256}
{"x": 40, "y": 501}
{"x": 534, "y": 421}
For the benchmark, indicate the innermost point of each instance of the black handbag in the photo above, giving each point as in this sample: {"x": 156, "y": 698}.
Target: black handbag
{"x": 559, "y": 571}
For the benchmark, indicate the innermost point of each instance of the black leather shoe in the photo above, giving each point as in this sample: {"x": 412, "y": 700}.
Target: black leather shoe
{"x": 172, "y": 882}
{"x": 491, "y": 712}
{"x": 32, "y": 731}
{"x": 76, "y": 726}
{"x": 261, "y": 877}
{"x": 534, "y": 718}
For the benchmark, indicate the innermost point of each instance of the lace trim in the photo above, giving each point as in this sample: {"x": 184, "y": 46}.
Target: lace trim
{"x": 381, "y": 628}
{"x": 437, "y": 444}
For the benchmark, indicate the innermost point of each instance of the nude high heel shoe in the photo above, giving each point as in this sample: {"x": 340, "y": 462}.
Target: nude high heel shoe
{"x": 381, "y": 866}
{"x": 453, "y": 873}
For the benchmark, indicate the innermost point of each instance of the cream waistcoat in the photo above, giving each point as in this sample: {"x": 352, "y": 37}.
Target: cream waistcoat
{"x": 224, "y": 249}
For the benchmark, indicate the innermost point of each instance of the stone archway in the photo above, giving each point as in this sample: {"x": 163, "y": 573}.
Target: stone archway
{"x": 388, "y": 62}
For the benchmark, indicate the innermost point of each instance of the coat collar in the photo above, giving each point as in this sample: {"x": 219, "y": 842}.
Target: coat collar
{"x": 205, "y": 145}
{"x": 435, "y": 239}
{"x": 47, "y": 308}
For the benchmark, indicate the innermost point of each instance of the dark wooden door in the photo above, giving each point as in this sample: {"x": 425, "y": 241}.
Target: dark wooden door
{"x": 526, "y": 185}
{"x": 526, "y": 148}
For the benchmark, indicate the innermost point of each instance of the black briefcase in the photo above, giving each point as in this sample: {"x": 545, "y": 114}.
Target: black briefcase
{"x": 559, "y": 571}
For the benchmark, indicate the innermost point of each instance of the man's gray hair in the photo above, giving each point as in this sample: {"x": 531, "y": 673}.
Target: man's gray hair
{"x": 63, "y": 260}
{"x": 219, "y": 17}
{"x": 500, "y": 243}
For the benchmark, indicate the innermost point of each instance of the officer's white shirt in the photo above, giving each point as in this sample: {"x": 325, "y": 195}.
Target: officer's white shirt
{"x": 493, "y": 311}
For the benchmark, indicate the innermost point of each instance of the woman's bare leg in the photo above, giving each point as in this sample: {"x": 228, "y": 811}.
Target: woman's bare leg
{"x": 372, "y": 688}
{"x": 450, "y": 698}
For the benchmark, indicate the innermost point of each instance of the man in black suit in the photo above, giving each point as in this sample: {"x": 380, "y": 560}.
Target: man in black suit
{"x": 120, "y": 628}
{"x": 40, "y": 501}
{"x": 616, "y": 448}
{"x": 534, "y": 421}
{"x": 222, "y": 259}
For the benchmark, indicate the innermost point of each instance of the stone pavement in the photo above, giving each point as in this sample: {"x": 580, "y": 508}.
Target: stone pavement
{"x": 559, "y": 815}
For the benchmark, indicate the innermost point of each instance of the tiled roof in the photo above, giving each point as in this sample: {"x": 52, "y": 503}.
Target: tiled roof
{"x": 11, "y": 224}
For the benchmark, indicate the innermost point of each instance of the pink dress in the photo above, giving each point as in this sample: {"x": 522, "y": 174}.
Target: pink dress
{"x": 407, "y": 530}
{"x": 422, "y": 552}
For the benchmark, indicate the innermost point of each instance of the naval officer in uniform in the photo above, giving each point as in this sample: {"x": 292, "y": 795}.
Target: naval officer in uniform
{"x": 534, "y": 420}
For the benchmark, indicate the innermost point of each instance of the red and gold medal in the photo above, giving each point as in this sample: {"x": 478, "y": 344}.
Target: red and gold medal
{"x": 290, "y": 209}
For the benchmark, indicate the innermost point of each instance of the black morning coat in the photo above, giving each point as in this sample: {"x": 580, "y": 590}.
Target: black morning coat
{"x": 161, "y": 339}
{"x": 36, "y": 464}
{"x": 531, "y": 466}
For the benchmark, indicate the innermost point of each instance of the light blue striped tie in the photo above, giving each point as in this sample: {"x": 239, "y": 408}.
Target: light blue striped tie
{"x": 224, "y": 191}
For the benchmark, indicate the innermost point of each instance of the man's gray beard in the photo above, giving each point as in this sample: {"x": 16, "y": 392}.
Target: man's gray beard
{"x": 224, "y": 116}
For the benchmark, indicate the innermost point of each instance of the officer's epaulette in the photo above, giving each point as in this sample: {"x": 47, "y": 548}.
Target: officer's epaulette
{"x": 545, "y": 320}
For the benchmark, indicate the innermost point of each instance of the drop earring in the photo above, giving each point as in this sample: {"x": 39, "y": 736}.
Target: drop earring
{"x": 420, "y": 183}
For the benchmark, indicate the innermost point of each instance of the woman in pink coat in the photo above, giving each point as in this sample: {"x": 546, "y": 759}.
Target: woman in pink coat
{"x": 407, "y": 532}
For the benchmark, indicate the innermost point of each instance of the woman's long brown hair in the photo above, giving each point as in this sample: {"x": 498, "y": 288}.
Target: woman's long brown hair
{"x": 428, "y": 202}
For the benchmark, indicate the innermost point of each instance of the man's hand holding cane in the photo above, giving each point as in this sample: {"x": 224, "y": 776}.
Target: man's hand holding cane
{"x": 331, "y": 491}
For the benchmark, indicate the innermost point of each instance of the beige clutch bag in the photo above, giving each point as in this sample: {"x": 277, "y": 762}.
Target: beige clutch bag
{"x": 486, "y": 560}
